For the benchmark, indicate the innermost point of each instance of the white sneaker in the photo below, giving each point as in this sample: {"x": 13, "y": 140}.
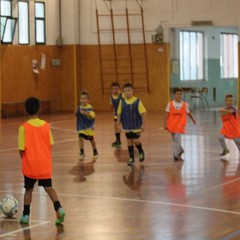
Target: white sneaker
{"x": 82, "y": 156}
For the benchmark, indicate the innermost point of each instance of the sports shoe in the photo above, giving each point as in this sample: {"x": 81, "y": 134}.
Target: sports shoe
{"x": 95, "y": 156}
{"x": 60, "y": 216}
{"x": 224, "y": 153}
{"x": 24, "y": 219}
{"x": 141, "y": 156}
{"x": 181, "y": 152}
{"x": 175, "y": 158}
{"x": 130, "y": 162}
{"x": 82, "y": 156}
{"x": 116, "y": 144}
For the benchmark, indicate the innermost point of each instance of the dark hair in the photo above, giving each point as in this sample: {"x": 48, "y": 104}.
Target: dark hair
{"x": 177, "y": 89}
{"x": 228, "y": 96}
{"x": 115, "y": 84}
{"x": 32, "y": 105}
{"x": 84, "y": 92}
{"x": 126, "y": 85}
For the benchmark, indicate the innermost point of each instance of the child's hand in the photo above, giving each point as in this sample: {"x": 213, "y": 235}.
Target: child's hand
{"x": 83, "y": 111}
{"x": 165, "y": 127}
{"x": 142, "y": 128}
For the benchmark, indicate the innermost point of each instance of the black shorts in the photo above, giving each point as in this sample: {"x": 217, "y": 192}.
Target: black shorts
{"x": 133, "y": 135}
{"x": 86, "y": 137}
{"x": 29, "y": 182}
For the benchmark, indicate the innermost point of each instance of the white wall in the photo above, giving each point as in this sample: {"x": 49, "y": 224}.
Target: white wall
{"x": 79, "y": 17}
{"x": 168, "y": 13}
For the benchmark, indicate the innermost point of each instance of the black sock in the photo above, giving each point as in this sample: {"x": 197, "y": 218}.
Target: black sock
{"x": 131, "y": 151}
{"x": 26, "y": 210}
{"x": 139, "y": 147}
{"x": 82, "y": 151}
{"x": 95, "y": 152}
{"x": 57, "y": 205}
{"x": 118, "y": 137}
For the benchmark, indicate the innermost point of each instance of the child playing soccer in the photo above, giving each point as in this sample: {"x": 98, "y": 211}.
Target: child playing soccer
{"x": 116, "y": 96}
{"x": 34, "y": 144}
{"x": 175, "y": 121}
{"x": 85, "y": 120}
{"x": 132, "y": 117}
{"x": 230, "y": 125}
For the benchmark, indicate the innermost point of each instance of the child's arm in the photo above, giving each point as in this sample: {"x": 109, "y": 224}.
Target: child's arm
{"x": 165, "y": 118}
{"x": 192, "y": 118}
{"x": 87, "y": 114}
{"x": 143, "y": 121}
{"x": 119, "y": 112}
{"x": 224, "y": 110}
{"x": 21, "y": 153}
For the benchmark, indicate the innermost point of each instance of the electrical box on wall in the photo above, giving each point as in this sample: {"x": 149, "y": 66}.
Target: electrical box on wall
{"x": 56, "y": 62}
{"x": 157, "y": 38}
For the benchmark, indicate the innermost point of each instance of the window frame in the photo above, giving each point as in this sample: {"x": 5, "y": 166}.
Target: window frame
{"x": 7, "y": 17}
{"x": 40, "y": 19}
{"x": 28, "y": 30}
{"x": 223, "y": 60}
{"x": 199, "y": 53}
{"x": 12, "y": 32}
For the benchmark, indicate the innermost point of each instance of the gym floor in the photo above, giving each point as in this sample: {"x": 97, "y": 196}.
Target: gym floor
{"x": 158, "y": 199}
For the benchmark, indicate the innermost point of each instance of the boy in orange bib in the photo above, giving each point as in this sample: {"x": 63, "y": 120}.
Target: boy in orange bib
{"x": 34, "y": 143}
{"x": 230, "y": 125}
{"x": 175, "y": 121}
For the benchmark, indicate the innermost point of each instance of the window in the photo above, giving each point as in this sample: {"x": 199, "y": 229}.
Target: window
{"x": 8, "y": 24}
{"x": 23, "y": 22}
{"x": 191, "y": 55}
{"x": 229, "y": 55}
{"x": 40, "y": 37}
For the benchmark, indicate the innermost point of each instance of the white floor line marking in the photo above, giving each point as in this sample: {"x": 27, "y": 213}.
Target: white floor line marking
{"x": 25, "y": 228}
{"x": 139, "y": 201}
{"x": 220, "y": 185}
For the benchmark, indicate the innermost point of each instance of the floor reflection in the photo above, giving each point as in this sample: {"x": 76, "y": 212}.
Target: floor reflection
{"x": 82, "y": 170}
{"x": 230, "y": 174}
{"x": 134, "y": 179}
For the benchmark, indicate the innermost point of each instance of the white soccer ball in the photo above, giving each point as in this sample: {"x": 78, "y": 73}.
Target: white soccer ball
{"x": 9, "y": 206}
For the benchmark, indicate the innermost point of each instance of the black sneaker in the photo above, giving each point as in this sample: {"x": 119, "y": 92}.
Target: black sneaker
{"x": 175, "y": 158}
{"x": 116, "y": 144}
{"x": 130, "y": 162}
{"x": 141, "y": 156}
{"x": 225, "y": 152}
{"x": 95, "y": 154}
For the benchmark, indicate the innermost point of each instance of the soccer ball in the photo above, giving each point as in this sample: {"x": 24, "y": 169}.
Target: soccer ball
{"x": 9, "y": 206}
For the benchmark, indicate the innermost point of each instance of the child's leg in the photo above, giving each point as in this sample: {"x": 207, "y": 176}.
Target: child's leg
{"x": 53, "y": 195}
{"x": 81, "y": 147}
{"x": 81, "y": 144}
{"x": 117, "y": 133}
{"x": 29, "y": 185}
{"x": 176, "y": 144}
{"x": 27, "y": 201}
{"x": 130, "y": 151}
{"x": 117, "y": 142}
{"x": 56, "y": 203}
{"x": 222, "y": 142}
{"x": 138, "y": 145}
{"x": 237, "y": 142}
{"x": 224, "y": 145}
{"x": 94, "y": 147}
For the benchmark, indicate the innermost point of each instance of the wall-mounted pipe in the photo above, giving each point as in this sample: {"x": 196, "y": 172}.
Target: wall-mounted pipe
{"x": 59, "y": 41}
